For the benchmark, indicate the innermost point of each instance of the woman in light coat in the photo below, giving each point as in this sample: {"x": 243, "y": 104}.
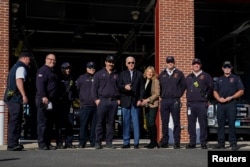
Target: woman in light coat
{"x": 151, "y": 104}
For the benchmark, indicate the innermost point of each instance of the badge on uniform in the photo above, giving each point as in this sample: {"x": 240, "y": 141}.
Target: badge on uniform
{"x": 202, "y": 77}
{"x": 176, "y": 75}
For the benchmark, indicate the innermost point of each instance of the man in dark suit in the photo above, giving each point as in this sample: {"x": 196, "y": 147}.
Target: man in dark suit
{"x": 132, "y": 89}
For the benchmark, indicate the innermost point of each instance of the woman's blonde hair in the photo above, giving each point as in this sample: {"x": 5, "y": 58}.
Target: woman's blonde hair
{"x": 153, "y": 70}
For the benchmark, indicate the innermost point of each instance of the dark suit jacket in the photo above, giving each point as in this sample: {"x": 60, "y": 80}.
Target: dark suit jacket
{"x": 129, "y": 98}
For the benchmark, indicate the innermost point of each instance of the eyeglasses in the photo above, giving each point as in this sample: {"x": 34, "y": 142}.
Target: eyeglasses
{"x": 227, "y": 67}
{"x": 131, "y": 62}
{"x": 111, "y": 62}
{"x": 170, "y": 62}
{"x": 51, "y": 59}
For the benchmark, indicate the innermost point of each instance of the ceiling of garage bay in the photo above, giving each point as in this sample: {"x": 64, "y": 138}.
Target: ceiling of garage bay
{"x": 108, "y": 26}
{"x": 90, "y": 26}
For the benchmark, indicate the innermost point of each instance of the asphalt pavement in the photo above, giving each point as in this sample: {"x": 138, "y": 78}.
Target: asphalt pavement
{"x": 32, "y": 157}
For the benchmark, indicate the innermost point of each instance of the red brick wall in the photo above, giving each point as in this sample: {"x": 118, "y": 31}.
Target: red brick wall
{"x": 175, "y": 36}
{"x": 4, "y": 51}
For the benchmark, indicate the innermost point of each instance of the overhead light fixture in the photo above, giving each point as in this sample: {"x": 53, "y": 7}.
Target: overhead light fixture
{"x": 135, "y": 14}
{"x": 15, "y": 7}
{"x": 78, "y": 36}
{"x": 78, "y": 32}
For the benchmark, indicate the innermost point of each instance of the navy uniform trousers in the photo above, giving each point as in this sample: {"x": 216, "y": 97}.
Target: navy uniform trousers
{"x": 170, "y": 106}
{"x": 105, "y": 115}
{"x": 198, "y": 110}
{"x": 228, "y": 112}
{"x": 87, "y": 115}
{"x": 45, "y": 121}
{"x": 15, "y": 120}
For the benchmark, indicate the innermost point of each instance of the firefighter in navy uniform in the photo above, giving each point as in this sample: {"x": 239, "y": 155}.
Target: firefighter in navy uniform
{"x": 66, "y": 92}
{"x": 15, "y": 96}
{"x": 172, "y": 85}
{"x": 88, "y": 106}
{"x": 106, "y": 94}
{"x": 46, "y": 99}
{"x": 199, "y": 89}
{"x": 227, "y": 89}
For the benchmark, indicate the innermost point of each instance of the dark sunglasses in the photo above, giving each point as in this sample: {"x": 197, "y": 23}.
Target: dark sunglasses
{"x": 131, "y": 62}
{"x": 111, "y": 62}
{"x": 227, "y": 66}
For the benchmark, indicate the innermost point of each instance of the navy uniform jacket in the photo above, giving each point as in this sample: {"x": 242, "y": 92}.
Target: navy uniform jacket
{"x": 46, "y": 83}
{"x": 66, "y": 88}
{"x": 129, "y": 98}
{"x": 199, "y": 88}
{"x": 228, "y": 86}
{"x": 83, "y": 85}
{"x": 172, "y": 86}
{"x": 105, "y": 85}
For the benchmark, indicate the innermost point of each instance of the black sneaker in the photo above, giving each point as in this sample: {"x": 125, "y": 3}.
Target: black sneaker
{"x": 51, "y": 147}
{"x": 126, "y": 146}
{"x": 43, "y": 148}
{"x": 219, "y": 146}
{"x": 15, "y": 148}
{"x": 59, "y": 147}
{"x": 153, "y": 145}
{"x": 234, "y": 147}
{"x": 92, "y": 144}
{"x": 83, "y": 146}
{"x": 69, "y": 145}
{"x": 164, "y": 145}
{"x": 177, "y": 146}
{"x": 110, "y": 146}
{"x": 136, "y": 146}
{"x": 190, "y": 146}
{"x": 98, "y": 146}
{"x": 203, "y": 146}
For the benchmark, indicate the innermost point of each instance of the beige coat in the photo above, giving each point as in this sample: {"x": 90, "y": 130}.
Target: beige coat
{"x": 155, "y": 93}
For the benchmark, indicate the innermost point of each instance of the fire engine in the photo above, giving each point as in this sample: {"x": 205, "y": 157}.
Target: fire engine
{"x": 242, "y": 122}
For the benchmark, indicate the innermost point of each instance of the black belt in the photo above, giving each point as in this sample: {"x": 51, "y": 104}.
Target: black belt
{"x": 109, "y": 99}
{"x": 170, "y": 98}
{"x": 197, "y": 101}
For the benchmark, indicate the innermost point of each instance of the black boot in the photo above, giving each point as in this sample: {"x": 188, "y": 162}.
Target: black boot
{"x": 153, "y": 143}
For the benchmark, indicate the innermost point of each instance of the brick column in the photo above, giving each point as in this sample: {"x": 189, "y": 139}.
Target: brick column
{"x": 175, "y": 36}
{"x": 4, "y": 52}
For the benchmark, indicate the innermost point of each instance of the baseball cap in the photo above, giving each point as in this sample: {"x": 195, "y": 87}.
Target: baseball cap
{"x": 170, "y": 59}
{"x": 227, "y": 64}
{"x": 90, "y": 65}
{"x": 65, "y": 65}
{"x": 196, "y": 61}
{"x": 110, "y": 58}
